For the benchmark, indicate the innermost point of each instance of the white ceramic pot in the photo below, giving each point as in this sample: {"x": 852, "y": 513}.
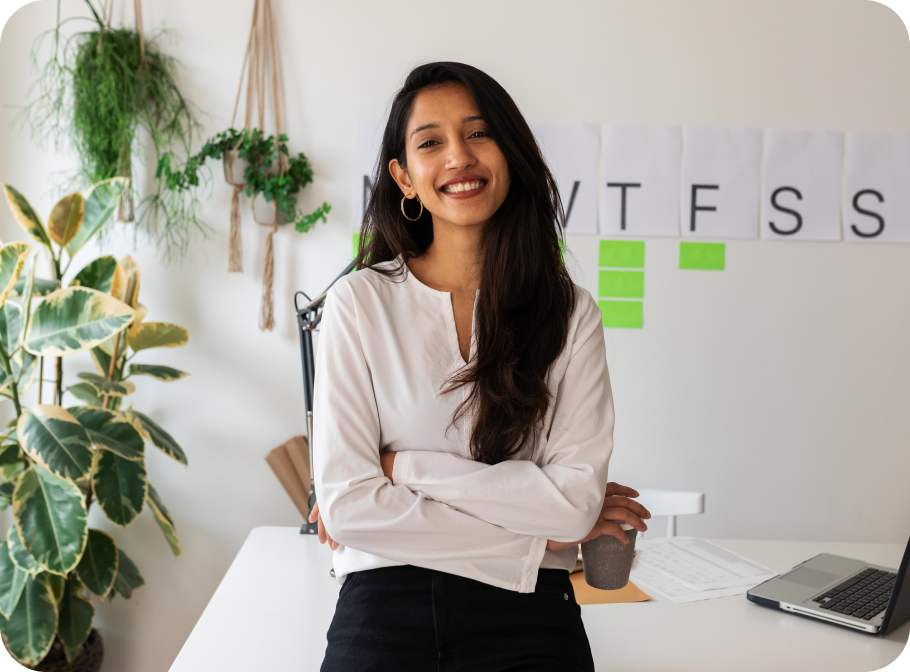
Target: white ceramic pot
{"x": 233, "y": 170}
{"x": 265, "y": 211}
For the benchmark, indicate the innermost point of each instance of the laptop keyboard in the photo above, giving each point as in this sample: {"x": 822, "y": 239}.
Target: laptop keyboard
{"x": 862, "y": 596}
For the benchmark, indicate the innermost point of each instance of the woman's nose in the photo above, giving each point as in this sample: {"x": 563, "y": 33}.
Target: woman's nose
{"x": 459, "y": 155}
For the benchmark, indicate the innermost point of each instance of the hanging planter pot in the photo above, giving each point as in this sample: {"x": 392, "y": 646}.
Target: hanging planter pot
{"x": 234, "y": 168}
{"x": 266, "y": 213}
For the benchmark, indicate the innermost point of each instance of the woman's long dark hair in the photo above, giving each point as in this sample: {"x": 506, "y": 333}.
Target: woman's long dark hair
{"x": 526, "y": 293}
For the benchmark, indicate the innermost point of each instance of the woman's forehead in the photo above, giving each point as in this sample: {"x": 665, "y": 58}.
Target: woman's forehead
{"x": 447, "y": 104}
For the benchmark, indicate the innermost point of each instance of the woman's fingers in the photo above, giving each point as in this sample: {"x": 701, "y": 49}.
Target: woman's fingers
{"x": 314, "y": 514}
{"x": 614, "y": 530}
{"x": 622, "y": 515}
{"x": 617, "y": 489}
{"x": 631, "y": 504}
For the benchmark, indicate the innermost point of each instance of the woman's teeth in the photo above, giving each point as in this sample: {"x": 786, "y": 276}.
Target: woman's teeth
{"x": 463, "y": 186}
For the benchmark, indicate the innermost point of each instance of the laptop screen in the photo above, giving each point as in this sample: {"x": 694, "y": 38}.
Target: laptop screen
{"x": 899, "y": 605}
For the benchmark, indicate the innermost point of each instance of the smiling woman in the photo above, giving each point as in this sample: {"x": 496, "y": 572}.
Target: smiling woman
{"x": 464, "y": 414}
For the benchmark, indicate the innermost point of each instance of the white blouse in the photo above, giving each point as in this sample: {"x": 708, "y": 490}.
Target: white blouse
{"x": 385, "y": 348}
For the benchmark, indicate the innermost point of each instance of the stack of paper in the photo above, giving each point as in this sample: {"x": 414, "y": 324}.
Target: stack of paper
{"x": 686, "y": 569}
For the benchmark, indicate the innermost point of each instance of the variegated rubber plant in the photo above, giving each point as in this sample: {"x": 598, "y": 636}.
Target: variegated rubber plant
{"x": 56, "y": 461}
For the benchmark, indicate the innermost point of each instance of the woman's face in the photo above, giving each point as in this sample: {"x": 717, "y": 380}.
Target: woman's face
{"x": 453, "y": 164}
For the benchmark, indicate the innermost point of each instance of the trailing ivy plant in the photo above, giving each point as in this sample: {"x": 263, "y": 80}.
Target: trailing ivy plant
{"x": 56, "y": 459}
{"x": 95, "y": 92}
{"x": 179, "y": 196}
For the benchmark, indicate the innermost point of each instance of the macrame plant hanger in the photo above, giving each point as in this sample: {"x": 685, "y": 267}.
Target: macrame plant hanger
{"x": 260, "y": 58}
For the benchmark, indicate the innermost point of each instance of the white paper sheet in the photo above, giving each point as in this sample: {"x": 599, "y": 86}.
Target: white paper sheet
{"x": 877, "y": 180}
{"x": 646, "y": 160}
{"x": 721, "y": 169}
{"x": 367, "y": 142}
{"x": 685, "y": 569}
{"x": 802, "y": 174}
{"x": 650, "y": 580}
{"x": 572, "y": 152}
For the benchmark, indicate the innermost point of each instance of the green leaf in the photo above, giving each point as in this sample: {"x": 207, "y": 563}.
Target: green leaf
{"x": 102, "y": 360}
{"x": 97, "y": 275}
{"x": 85, "y": 392}
{"x": 100, "y": 203}
{"x": 24, "y": 375}
{"x": 12, "y": 580}
{"x": 66, "y": 218}
{"x": 165, "y": 522}
{"x": 18, "y": 554}
{"x": 110, "y": 430}
{"x": 113, "y": 388}
{"x": 40, "y": 287}
{"x": 12, "y": 259}
{"x": 10, "y": 326}
{"x": 26, "y": 216}
{"x": 75, "y": 319}
{"x": 57, "y": 584}
{"x": 154, "y": 434}
{"x": 76, "y": 615}
{"x": 6, "y": 495}
{"x": 29, "y": 633}
{"x": 98, "y": 566}
{"x": 165, "y": 373}
{"x": 128, "y": 577}
{"x": 56, "y": 440}
{"x": 120, "y": 486}
{"x": 50, "y": 517}
{"x": 158, "y": 335}
{"x": 10, "y": 466}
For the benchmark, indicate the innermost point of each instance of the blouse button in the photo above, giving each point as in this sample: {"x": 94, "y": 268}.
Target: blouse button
{"x": 565, "y": 595}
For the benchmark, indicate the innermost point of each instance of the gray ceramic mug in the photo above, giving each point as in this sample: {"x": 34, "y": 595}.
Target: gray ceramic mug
{"x": 607, "y": 561}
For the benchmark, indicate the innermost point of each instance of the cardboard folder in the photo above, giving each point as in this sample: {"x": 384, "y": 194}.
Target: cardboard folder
{"x": 291, "y": 464}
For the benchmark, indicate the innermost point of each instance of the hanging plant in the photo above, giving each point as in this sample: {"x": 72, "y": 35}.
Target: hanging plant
{"x": 97, "y": 90}
{"x": 259, "y": 165}
{"x": 258, "y": 157}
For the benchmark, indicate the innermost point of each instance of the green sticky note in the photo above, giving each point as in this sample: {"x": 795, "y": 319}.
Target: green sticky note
{"x": 622, "y": 284}
{"x": 702, "y": 256}
{"x": 622, "y": 253}
{"x": 621, "y": 314}
{"x": 562, "y": 248}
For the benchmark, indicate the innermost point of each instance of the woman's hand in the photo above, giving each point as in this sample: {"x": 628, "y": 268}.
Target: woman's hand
{"x": 323, "y": 534}
{"x": 617, "y": 507}
{"x": 387, "y": 460}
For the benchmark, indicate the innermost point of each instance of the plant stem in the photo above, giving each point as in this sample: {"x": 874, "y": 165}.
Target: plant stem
{"x": 97, "y": 18}
{"x": 113, "y": 366}
{"x": 9, "y": 369}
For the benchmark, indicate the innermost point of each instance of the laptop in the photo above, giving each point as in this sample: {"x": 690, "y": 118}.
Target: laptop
{"x": 846, "y": 592}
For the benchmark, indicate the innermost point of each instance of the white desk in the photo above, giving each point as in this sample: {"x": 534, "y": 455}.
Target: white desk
{"x": 274, "y": 606}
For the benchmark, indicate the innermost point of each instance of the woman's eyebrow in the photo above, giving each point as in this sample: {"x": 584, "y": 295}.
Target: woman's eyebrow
{"x": 435, "y": 124}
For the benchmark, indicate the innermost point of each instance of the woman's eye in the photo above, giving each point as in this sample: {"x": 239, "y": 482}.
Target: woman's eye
{"x": 425, "y": 144}
{"x": 476, "y": 132}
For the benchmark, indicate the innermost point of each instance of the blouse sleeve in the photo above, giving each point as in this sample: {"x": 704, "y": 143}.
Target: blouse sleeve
{"x": 559, "y": 500}
{"x": 360, "y": 507}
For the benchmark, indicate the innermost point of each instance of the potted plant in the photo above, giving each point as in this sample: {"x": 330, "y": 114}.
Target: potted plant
{"x": 270, "y": 176}
{"x": 58, "y": 459}
{"x": 258, "y": 158}
{"x": 96, "y": 91}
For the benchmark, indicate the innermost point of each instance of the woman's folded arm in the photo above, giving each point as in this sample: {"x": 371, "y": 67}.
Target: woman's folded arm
{"x": 559, "y": 500}
{"x": 360, "y": 507}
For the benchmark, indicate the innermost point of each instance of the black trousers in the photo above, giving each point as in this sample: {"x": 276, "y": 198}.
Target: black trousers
{"x": 411, "y": 619}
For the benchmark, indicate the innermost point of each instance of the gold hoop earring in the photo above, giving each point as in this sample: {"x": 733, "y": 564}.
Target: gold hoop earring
{"x": 403, "y": 198}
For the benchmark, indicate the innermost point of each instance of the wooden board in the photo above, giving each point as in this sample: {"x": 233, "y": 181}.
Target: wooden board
{"x": 585, "y": 594}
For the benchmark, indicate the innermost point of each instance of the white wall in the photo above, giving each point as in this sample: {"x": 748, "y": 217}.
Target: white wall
{"x": 779, "y": 387}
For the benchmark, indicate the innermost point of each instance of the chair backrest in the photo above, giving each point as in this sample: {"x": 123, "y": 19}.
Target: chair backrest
{"x": 671, "y": 503}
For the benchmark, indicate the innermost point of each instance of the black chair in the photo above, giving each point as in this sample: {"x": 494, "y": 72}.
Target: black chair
{"x": 308, "y": 317}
